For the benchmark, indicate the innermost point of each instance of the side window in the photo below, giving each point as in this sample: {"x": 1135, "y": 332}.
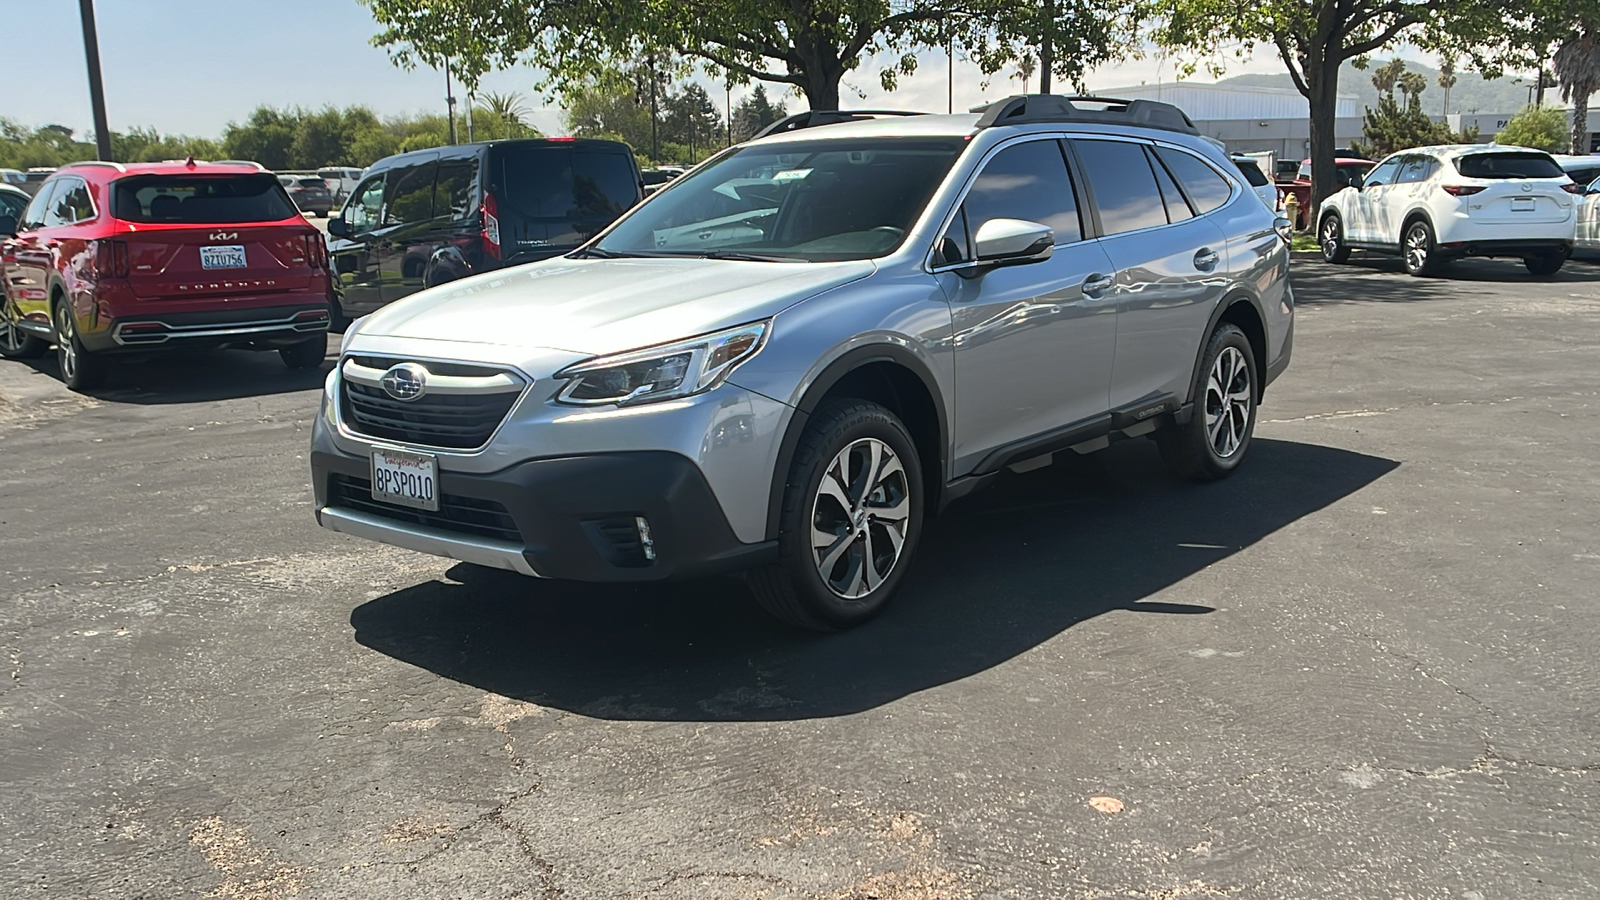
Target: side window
{"x": 410, "y": 195}
{"x": 33, "y": 216}
{"x": 1177, "y": 207}
{"x": 1384, "y": 173}
{"x": 69, "y": 204}
{"x": 1413, "y": 169}
{"x": 455, "y": 188}
{"x": 1206, "y": 189}
{"x": 1030, "y": 182}
{"x": 12, "y": 206}
{"x": 955, "y": 247}
{"x": 365, "y": 205}
{"x": 1125, "y": 191}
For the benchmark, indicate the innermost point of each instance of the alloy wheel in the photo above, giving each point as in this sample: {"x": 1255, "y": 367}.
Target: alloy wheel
{"x": 1229, "y": 397}
{"x": 66, "y": 344}
{"x": 12, "y": 338}
{"x": 1417, "y": 248}
{"x": 1330, "y": 238}
{"x": 859, "y": 518}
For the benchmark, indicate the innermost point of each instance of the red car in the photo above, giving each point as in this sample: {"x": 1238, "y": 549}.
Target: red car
{"x": 1300, "y": 187}
{"x": 115, "y": 259}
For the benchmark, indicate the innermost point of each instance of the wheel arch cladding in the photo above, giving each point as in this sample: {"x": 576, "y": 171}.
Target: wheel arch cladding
{"x": 1414, "y": 216}
{"x": 1241, "y": 311}
{"x": 884, "y": 374}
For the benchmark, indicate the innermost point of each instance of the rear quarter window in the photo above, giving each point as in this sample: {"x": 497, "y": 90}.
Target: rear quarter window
{"x": 201, "y": 199}
{"x": 1251, "y": 172}
{"x": 1207, "y": 189}
{"x": 1508, "y": 165}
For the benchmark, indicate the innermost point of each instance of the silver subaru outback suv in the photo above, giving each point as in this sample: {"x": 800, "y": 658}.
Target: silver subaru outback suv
{"x": 787, "y": 360}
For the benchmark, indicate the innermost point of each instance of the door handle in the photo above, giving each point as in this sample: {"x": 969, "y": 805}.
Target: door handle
{"x": 1206, "y": 259}
{"x": 1098, "y": 284}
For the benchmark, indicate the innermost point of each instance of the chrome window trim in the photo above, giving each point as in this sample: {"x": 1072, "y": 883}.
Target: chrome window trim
{"x": 928, "y": 264}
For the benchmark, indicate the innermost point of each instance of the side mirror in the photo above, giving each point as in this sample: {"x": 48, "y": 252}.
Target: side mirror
{"x": 1358, "y": 181}
{"x": 1013, "y": 242}
{"x": 8, "y": 226}
{"x": 338, "y": 227}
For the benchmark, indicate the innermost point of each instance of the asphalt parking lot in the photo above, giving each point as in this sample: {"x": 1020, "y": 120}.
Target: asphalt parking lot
{"x": 1362, "y": 668}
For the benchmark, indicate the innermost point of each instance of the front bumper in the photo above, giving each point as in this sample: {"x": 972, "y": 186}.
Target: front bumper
{"x": 572, "y": 518}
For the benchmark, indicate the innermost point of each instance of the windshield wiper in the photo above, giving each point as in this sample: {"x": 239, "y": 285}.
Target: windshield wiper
{"x": 597, "y": 253}
{"x": 748, "y": 257}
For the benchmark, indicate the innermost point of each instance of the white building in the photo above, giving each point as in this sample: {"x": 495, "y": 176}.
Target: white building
{"x": 1250, "y": 119}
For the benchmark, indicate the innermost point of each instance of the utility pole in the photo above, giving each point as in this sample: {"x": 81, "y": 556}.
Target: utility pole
{"x": 1047, "y": 54}
{"x": 727, "y": 105}
{"x": 1538, "y": 97}
{"x": 950, "y": 87}
{"x": 97, "y": 91}
{"x": 449, "y": 100}
{"x": 655, "y": 140}
{"x": 470, "y": 100}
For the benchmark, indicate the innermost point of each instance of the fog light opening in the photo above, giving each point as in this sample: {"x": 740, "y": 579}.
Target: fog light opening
{"x": 646, "y": 544}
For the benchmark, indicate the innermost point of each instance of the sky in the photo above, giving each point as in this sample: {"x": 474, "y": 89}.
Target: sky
{"x": 192, "y": 66}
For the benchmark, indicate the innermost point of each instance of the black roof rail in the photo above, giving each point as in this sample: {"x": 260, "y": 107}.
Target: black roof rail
{"x": 1026, "y": 109}
{"x": 814, "y": 117}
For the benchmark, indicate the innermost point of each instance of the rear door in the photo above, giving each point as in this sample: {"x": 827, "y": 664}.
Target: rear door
{"x": 406, "y": 240}
{"x": 219, "y": 237}
{"x": 27, "y": 260}
{"x": 551, "y": 196}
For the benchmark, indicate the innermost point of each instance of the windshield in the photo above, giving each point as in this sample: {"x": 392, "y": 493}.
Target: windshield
{"x": 201, "y": 199}
{"x": 815, "y": 201}
{"x": 1508, "y": 165}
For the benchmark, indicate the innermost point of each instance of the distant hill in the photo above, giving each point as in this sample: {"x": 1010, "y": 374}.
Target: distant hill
{"x": 1472, "y": 92}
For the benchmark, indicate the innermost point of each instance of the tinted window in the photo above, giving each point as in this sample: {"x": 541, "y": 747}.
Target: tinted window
{"x": 311, "y": 182}
{"x": 1029, "y": 182}
{"x": 1414, "y": 170}
{"x": 12, "y": 205}
{"x": 1508, "y": 165}
{"x": 201, "y": 199}
{"x": 1177, "y": 207}
{"x": 1584, "y": 174}
{"x": 1206, "y": 188}
{"x": 410, "y": 195}
{"x": 809, "y": 200}
{"x": 564, "y": 193}
{"x": 955, "y": 247}
{"x": 1251, "y": 172}
{"x": 365, "y": 205}
{"x": 1125, "y": 190}
{"x": 1384, "y": 173}
{"x": 33, "y": 216}
{"x": 69, "y": 204}
{"x": 455, "y": 191}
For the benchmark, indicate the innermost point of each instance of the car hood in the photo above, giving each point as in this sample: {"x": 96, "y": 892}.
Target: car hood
{"x": 601, "y": 306}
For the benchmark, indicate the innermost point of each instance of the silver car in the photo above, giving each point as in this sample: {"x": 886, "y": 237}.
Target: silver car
{"x": 786, "y": 361}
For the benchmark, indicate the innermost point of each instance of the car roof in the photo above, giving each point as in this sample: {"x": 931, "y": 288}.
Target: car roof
{"x": 1457, "y": 150}
{"x": 963, "y": 125}
{"x": 9, "y": 189}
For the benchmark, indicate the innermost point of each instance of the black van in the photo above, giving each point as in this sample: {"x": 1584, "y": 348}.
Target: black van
{"x": 423, "y": 218}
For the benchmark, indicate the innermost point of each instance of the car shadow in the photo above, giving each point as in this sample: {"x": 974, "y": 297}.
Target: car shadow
{"x": 195, "y": 376}
{"x": 1496, "y": 271}
{"x": 997, "y": 575}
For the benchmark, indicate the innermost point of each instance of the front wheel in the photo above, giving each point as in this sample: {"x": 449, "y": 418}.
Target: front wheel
{"x": 1214, "y": 440}
{"x": 1545, "y": 264}
{"x": 15, "y": 343}
{"x": 1331, "y": 238}
{"x": 308, "y": 354}
{"x": 852, "y": 517}
{"x": 81, "y": 369}
{"x": 1418, "y": 250}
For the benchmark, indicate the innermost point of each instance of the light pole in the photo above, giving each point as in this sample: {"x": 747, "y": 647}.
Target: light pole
{"x": 449, "y": 100}
{"x": 97, "y": 92}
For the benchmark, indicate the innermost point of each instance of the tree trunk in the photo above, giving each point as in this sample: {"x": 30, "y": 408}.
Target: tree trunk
{"x": 1580, "y": 125}
{"x": 1047, "y": 50}
{"x": 1322, "y": 79}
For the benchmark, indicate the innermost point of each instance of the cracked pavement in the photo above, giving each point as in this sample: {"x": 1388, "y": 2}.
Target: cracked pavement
{"x": 1363, "y": 667}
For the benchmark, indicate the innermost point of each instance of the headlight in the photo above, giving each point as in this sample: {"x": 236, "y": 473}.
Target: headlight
{"x": 662, "y": 372}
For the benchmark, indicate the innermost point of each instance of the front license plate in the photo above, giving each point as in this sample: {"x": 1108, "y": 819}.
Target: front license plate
{"x": 1522, "y": 204}
{"x": 405, "y": 478}
{"x": 230, "y": 256}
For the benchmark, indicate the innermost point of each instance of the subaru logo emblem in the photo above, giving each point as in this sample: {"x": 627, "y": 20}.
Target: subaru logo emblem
{"x": 407, "y": 381}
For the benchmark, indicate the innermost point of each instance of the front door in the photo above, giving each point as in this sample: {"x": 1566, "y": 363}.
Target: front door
{"x": 407, "y": 240}
{"x": 354, "y": 263}
{"x": 27, "y": 262}
{"x": 1033, "y": 343}
{"x": 1370, "y": 209}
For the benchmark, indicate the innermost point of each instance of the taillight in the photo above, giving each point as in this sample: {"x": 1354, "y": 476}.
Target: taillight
{"x": 491, "y": 226}
{"x": 111, "y": 259}
{"x": 316, "y": 252}
{"x": 1461, "y": 190}
{"x": 1573, "y": 188}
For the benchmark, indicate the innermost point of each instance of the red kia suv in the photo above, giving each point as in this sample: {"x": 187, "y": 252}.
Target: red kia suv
{"x": 114, "y": 259}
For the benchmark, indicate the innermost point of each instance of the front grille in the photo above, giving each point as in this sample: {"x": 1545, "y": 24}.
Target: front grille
{"x": 461, "y": 515}
{"x": 454, "y": 421}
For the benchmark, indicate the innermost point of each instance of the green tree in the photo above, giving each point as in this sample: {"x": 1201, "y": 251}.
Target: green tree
{"x": 500, "y": 116}
{"x": 689, "y": 117}
{"x": 1539, "y": 127}
{"x": 1314, "y": 37}
{"x": 267, "y": 137}
{"x": 754, "y": 113}
{"x": 1577, "y": 66}
{"x": 609, "y": 104}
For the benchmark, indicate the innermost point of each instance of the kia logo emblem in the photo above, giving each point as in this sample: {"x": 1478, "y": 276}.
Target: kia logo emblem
{"x": 407, "y": 381}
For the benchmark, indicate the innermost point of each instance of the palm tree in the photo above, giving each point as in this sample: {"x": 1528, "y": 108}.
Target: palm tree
{"x": 1577, "y": 67}
{"x": 512, "y": 115}
{"x": 1386, "y": 76}
{"x": 1447, "y": 80}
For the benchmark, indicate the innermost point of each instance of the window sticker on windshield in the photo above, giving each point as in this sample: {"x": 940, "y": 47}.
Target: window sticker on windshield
{"x": 791, "y": 175}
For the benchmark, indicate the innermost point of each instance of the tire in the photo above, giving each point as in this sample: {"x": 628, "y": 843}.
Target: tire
{"x": 1214, "y": 440}
{"x": 1417, "y": 250}
{"x": 338, "y": 319}
{"x": 1545, "y": 264}
{"x": 308, "y": 354}
{"x": 14, "y": 342}
{"x": 852, "y": 514}
{"x": 1330, "y": 237}
{"x": 81, "y": 370}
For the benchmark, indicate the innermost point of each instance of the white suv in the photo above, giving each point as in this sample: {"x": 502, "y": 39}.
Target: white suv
{"x": 1434, "y": 204}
